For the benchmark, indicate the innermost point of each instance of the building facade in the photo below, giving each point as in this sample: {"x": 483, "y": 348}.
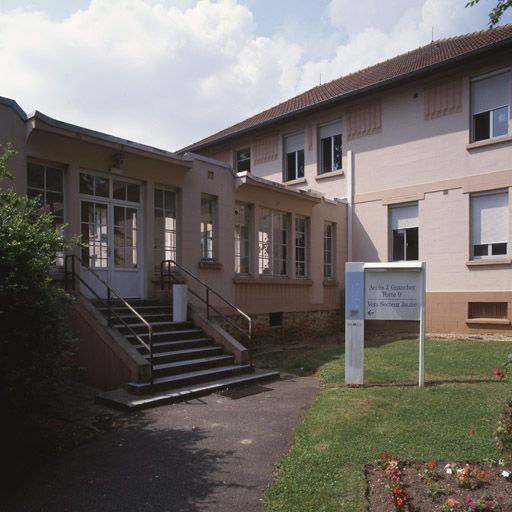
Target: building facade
{"x": 420, "y": 148}
{"x": 135, "y": 206}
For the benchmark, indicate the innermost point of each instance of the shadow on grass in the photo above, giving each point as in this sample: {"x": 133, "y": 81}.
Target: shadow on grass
{"x": 135, "y": 466}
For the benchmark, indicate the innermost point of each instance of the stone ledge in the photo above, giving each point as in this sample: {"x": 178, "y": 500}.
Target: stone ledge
{"x": 488, "y": 261}
{"x": 491, "y": 321}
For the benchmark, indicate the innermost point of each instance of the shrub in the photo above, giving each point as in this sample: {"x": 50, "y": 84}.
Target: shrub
{"x": 33, "y": 339}
{"x": 504, "y": 432}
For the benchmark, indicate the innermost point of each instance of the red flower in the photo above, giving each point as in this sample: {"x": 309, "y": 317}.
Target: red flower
{"x": 499, "y": 373}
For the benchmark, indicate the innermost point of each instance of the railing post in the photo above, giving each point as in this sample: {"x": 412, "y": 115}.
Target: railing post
{"x": 208, "y": 303}
{"x": 73, "y": 272}
{"x": 109, "y": 308}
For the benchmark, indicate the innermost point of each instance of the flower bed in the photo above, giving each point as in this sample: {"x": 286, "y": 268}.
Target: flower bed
{"x": 394, "y": 486}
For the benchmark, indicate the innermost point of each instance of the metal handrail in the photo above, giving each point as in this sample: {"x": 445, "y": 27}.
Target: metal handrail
{"x": 246, "y": 333}
{"x": 110, "y": 312}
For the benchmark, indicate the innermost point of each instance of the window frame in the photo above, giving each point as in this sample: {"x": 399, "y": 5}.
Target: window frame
{"x": 492, "y": 112}
{"x": 239, "y": 239}
{"x": 302, "y": 248}
{"x": 490, "y": 245}
{"x": 59, "y": 219}
{"x": 298, "y": 156}
{"x": 329, "y": 252}
{"x": 274, "y": 259}
{"x": 330, "y": 138}
{"x": 239, "y": 161}
{"x": 208, "y": 237}
{"x": 169, "y": 251}
{"x": 406, "y": 232}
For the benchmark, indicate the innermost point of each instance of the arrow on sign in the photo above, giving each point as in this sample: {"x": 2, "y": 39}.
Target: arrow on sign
{"x": 370, "y": 312}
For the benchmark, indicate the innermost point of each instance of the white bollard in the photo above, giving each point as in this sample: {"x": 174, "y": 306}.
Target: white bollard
{"x": 179, "y": 302}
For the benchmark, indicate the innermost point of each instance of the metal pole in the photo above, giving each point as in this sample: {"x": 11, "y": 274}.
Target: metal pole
{"x": 109, "y": 309}
{"x": 421, "y": 379}
{"x": 208, "y": 303}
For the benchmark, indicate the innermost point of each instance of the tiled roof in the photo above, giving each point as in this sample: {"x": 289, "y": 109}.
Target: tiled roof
{"x": 437, "y": 53}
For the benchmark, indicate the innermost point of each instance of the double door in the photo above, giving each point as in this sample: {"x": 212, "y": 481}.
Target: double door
{"x": 112, "y": 233}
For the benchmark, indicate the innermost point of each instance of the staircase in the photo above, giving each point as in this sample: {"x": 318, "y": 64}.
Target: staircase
{"x": 186, "y": 362}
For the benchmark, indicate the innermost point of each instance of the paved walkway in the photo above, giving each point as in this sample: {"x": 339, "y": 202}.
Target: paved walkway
{"x": 211, "y": 454}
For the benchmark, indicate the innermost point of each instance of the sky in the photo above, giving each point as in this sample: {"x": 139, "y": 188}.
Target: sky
{"x": 170, "y": 72}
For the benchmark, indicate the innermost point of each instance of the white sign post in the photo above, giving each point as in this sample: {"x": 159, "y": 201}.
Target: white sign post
{"x": 392, "y": 291}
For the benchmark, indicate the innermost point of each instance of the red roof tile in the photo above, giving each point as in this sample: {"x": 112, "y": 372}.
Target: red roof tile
{"x": 414, "y": 62}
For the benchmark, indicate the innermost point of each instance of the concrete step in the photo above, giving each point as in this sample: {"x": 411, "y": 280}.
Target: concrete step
{"x": 162, "y": 326}
{"x": 169, "y": 335}
{"x": 169, "y": 346}
{"x": 188, "y": 379}
{"x": 182, "y": 355}
{"x": 120, "y": 399}
{"x": 192, "y": 365}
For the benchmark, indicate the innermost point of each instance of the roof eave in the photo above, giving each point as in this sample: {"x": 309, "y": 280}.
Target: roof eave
{"x": 350, "y": 95}
{"x": 40, "y": 121}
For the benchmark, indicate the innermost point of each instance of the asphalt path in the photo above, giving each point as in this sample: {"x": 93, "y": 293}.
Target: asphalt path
{"x": 214, "y": 454}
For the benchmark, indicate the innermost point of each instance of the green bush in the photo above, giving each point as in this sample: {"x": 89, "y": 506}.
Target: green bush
{"x": 504, "y": 432}
{"x": 34, "y": 343}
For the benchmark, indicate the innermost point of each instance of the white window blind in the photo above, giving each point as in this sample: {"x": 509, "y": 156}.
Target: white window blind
{"x": 294, "y": 143}
{"x": 489, "y": 218}
{"x": 403, "y": 217}
{"x": 330, "y": 130}
{"x": 490, "y": 93}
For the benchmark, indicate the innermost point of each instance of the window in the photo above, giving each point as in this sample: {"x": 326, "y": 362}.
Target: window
{"x": 294, "y": 159}
{"x": 243, "y": 160}
{"x": 487, "y": 310}
{"x": 329, "y": 250}
{"x": 490, "y": 100}
{"x": 242, "y": 212}
{"x": 489, "y": 224}
{"x": 404, "y": 231}
{"x": 165, "y": 226}
{"x": 330, "y": 148}
{"x": 46, "y": 183}
{"x": 94, "y": 234}
{"x": 207, "y": 228}
{"x": 273, "y": 243}
{"x": 301, "y": 247}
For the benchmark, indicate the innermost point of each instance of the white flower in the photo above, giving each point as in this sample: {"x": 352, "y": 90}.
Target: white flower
{"x": 505, "y": 474}
{"x": 448, "y": 469}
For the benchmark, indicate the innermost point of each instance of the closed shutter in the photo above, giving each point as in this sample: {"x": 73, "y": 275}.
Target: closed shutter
{"x": 403, "y": 217}
{"x": 489, "y": 218}
{"x": 490, "y": 93}
{"x": 294, "y": 143}
{"x": 330, "y": 130}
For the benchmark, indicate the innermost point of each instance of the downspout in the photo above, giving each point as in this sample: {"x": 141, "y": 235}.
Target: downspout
{"x": 350, "y": 202}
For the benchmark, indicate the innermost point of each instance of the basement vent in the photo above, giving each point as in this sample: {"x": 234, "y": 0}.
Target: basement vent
{"x": 487, "y": 310}
{"x": 275, "y": 319}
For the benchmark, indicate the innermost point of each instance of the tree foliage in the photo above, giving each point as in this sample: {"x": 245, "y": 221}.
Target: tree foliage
{"x": 496, "y": 13}
{"x": 34, "y": 342}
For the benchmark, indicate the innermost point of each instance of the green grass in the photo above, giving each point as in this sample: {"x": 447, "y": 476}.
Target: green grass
{"x": 452, "y": 418}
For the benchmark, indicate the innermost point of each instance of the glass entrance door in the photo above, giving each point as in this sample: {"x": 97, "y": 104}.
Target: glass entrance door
{"x": 111, "y": 231}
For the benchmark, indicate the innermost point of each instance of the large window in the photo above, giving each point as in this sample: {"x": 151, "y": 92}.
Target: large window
{"x": 243, "y": 160}
{"x": 489, "y": 224}
{"x": 46, "y": 183}
{"x": 207, "y": 228}
{"x": 301, "y": 242}
{"x": 329, "y": 250}
{"x": 490, "y": 100}
{"x": 242, "y": 213}
{"x": 404, "y": 232}
{"x": 165, "y": 226}
{"x": 330, "y": 148}
{"x": 273, "y": 243}
{"x": 294, "y": 157}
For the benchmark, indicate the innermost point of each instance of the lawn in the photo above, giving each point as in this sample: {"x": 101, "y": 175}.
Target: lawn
{"x": 452, "y": 418}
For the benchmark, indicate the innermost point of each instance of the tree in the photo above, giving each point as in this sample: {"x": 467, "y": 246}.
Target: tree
{"x": 496, "y": 13}
{"x": 34, "y": 343}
